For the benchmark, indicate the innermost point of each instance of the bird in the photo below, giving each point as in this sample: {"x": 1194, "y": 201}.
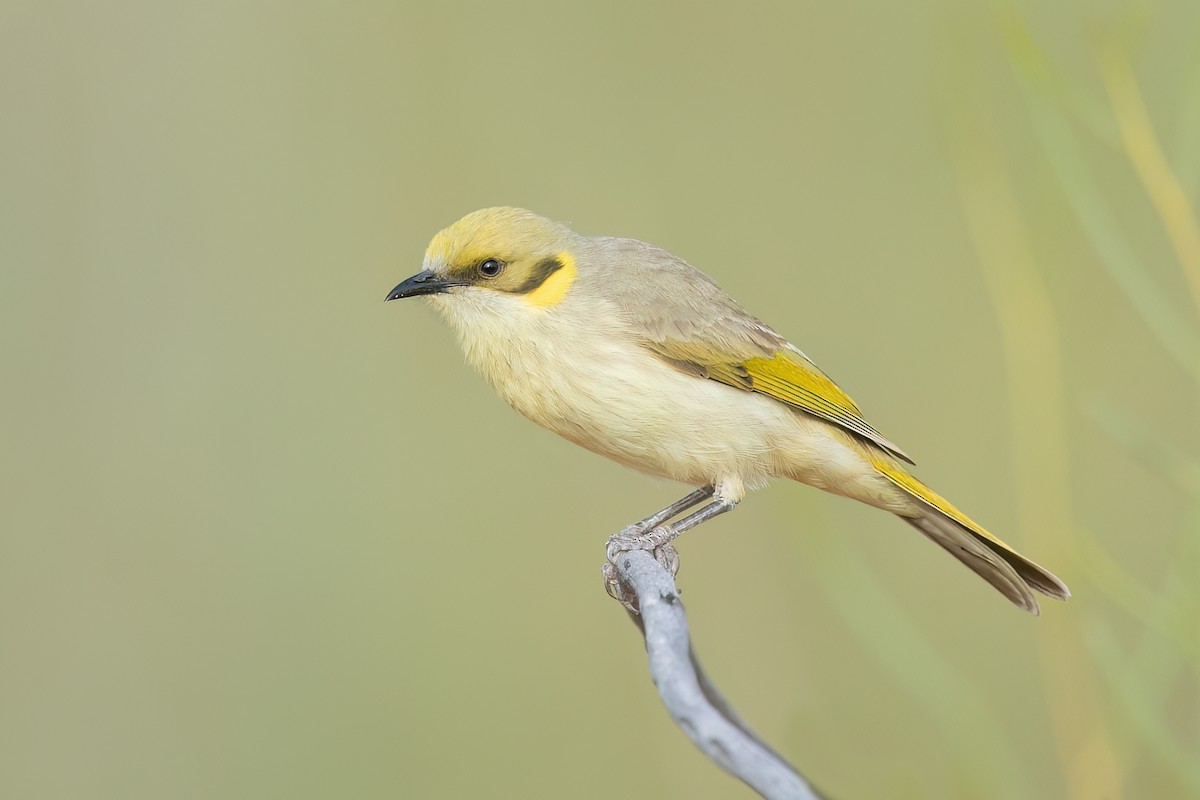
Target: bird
{"x": 631, "y": 352}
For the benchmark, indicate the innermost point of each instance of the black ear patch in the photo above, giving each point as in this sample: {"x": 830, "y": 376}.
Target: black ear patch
{"x": 538, "y": 275}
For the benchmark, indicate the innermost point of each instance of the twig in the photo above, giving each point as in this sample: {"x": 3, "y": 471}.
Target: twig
{"x": 691, "y": 700}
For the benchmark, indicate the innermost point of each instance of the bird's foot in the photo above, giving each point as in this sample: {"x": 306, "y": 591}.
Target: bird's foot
{"x": 656, "y": 541}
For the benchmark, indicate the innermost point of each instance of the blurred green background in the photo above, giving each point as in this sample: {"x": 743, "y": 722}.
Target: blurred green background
{"x": 264, "y": 536}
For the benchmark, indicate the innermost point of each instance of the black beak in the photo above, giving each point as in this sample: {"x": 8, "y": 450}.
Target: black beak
{"x": 422, "y": 283}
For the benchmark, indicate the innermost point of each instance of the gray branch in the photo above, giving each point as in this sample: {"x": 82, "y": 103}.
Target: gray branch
{"x": 694, "y": 703}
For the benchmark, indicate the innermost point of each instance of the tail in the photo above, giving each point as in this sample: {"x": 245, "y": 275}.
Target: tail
{"x": 991, "y": 559}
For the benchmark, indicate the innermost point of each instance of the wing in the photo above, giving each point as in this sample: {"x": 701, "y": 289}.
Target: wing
{"x": 690, "y": 323}
{"x": 788, "y": 376}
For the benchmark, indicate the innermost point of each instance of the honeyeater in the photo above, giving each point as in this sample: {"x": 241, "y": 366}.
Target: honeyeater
{"x": 631, "y": 352}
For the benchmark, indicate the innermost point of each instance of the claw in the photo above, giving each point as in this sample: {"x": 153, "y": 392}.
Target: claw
{"x": 668, "y": 557}
{"x": 617, "y": 591}
{"x": 612, "y": 583}
{"x": 619, "y": 543}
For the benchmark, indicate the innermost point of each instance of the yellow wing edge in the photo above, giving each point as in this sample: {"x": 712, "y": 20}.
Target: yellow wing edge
{"x": 803, "y": 386}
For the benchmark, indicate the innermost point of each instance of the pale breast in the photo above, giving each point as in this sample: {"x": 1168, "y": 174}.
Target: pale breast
{"x": 595, "y": 386}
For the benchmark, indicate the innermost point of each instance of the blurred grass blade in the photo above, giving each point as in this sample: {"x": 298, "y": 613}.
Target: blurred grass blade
{"x": 1177, "y": 335}
{"x": 1186, "y": 149}
{"x": 1146, "y": 154}
{"x": 1136, "y": 701}
{"x": 1157, "y": 658}
{"x": 1158, "y": 455}
{"x": 1036, "y": 398}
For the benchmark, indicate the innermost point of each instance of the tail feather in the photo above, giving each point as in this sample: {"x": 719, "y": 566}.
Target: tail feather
{"x": 982, "y": 560}
{"x": 1004, "y": 568}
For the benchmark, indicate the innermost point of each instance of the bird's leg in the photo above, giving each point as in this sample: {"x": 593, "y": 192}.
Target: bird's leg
{"x": 713, "y": 509}
{"x": 634, "y": 537}
{"x": 658, "y": 539}
{"x": 659, "y": 517}
{"x": 639, "y": 539}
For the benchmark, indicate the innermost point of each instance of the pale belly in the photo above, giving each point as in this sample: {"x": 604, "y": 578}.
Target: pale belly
{"x": 618, "y": 400}
{"x": 649, "y": 416}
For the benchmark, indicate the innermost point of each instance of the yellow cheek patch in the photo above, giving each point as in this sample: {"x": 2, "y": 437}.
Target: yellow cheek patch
{"x": 554, "y": 288}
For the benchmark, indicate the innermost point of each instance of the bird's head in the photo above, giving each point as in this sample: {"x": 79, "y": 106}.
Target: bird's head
{"x": 497, "y": 256}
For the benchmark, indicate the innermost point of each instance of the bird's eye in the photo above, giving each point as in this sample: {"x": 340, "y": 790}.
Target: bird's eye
{"x": 491, "y": 268}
